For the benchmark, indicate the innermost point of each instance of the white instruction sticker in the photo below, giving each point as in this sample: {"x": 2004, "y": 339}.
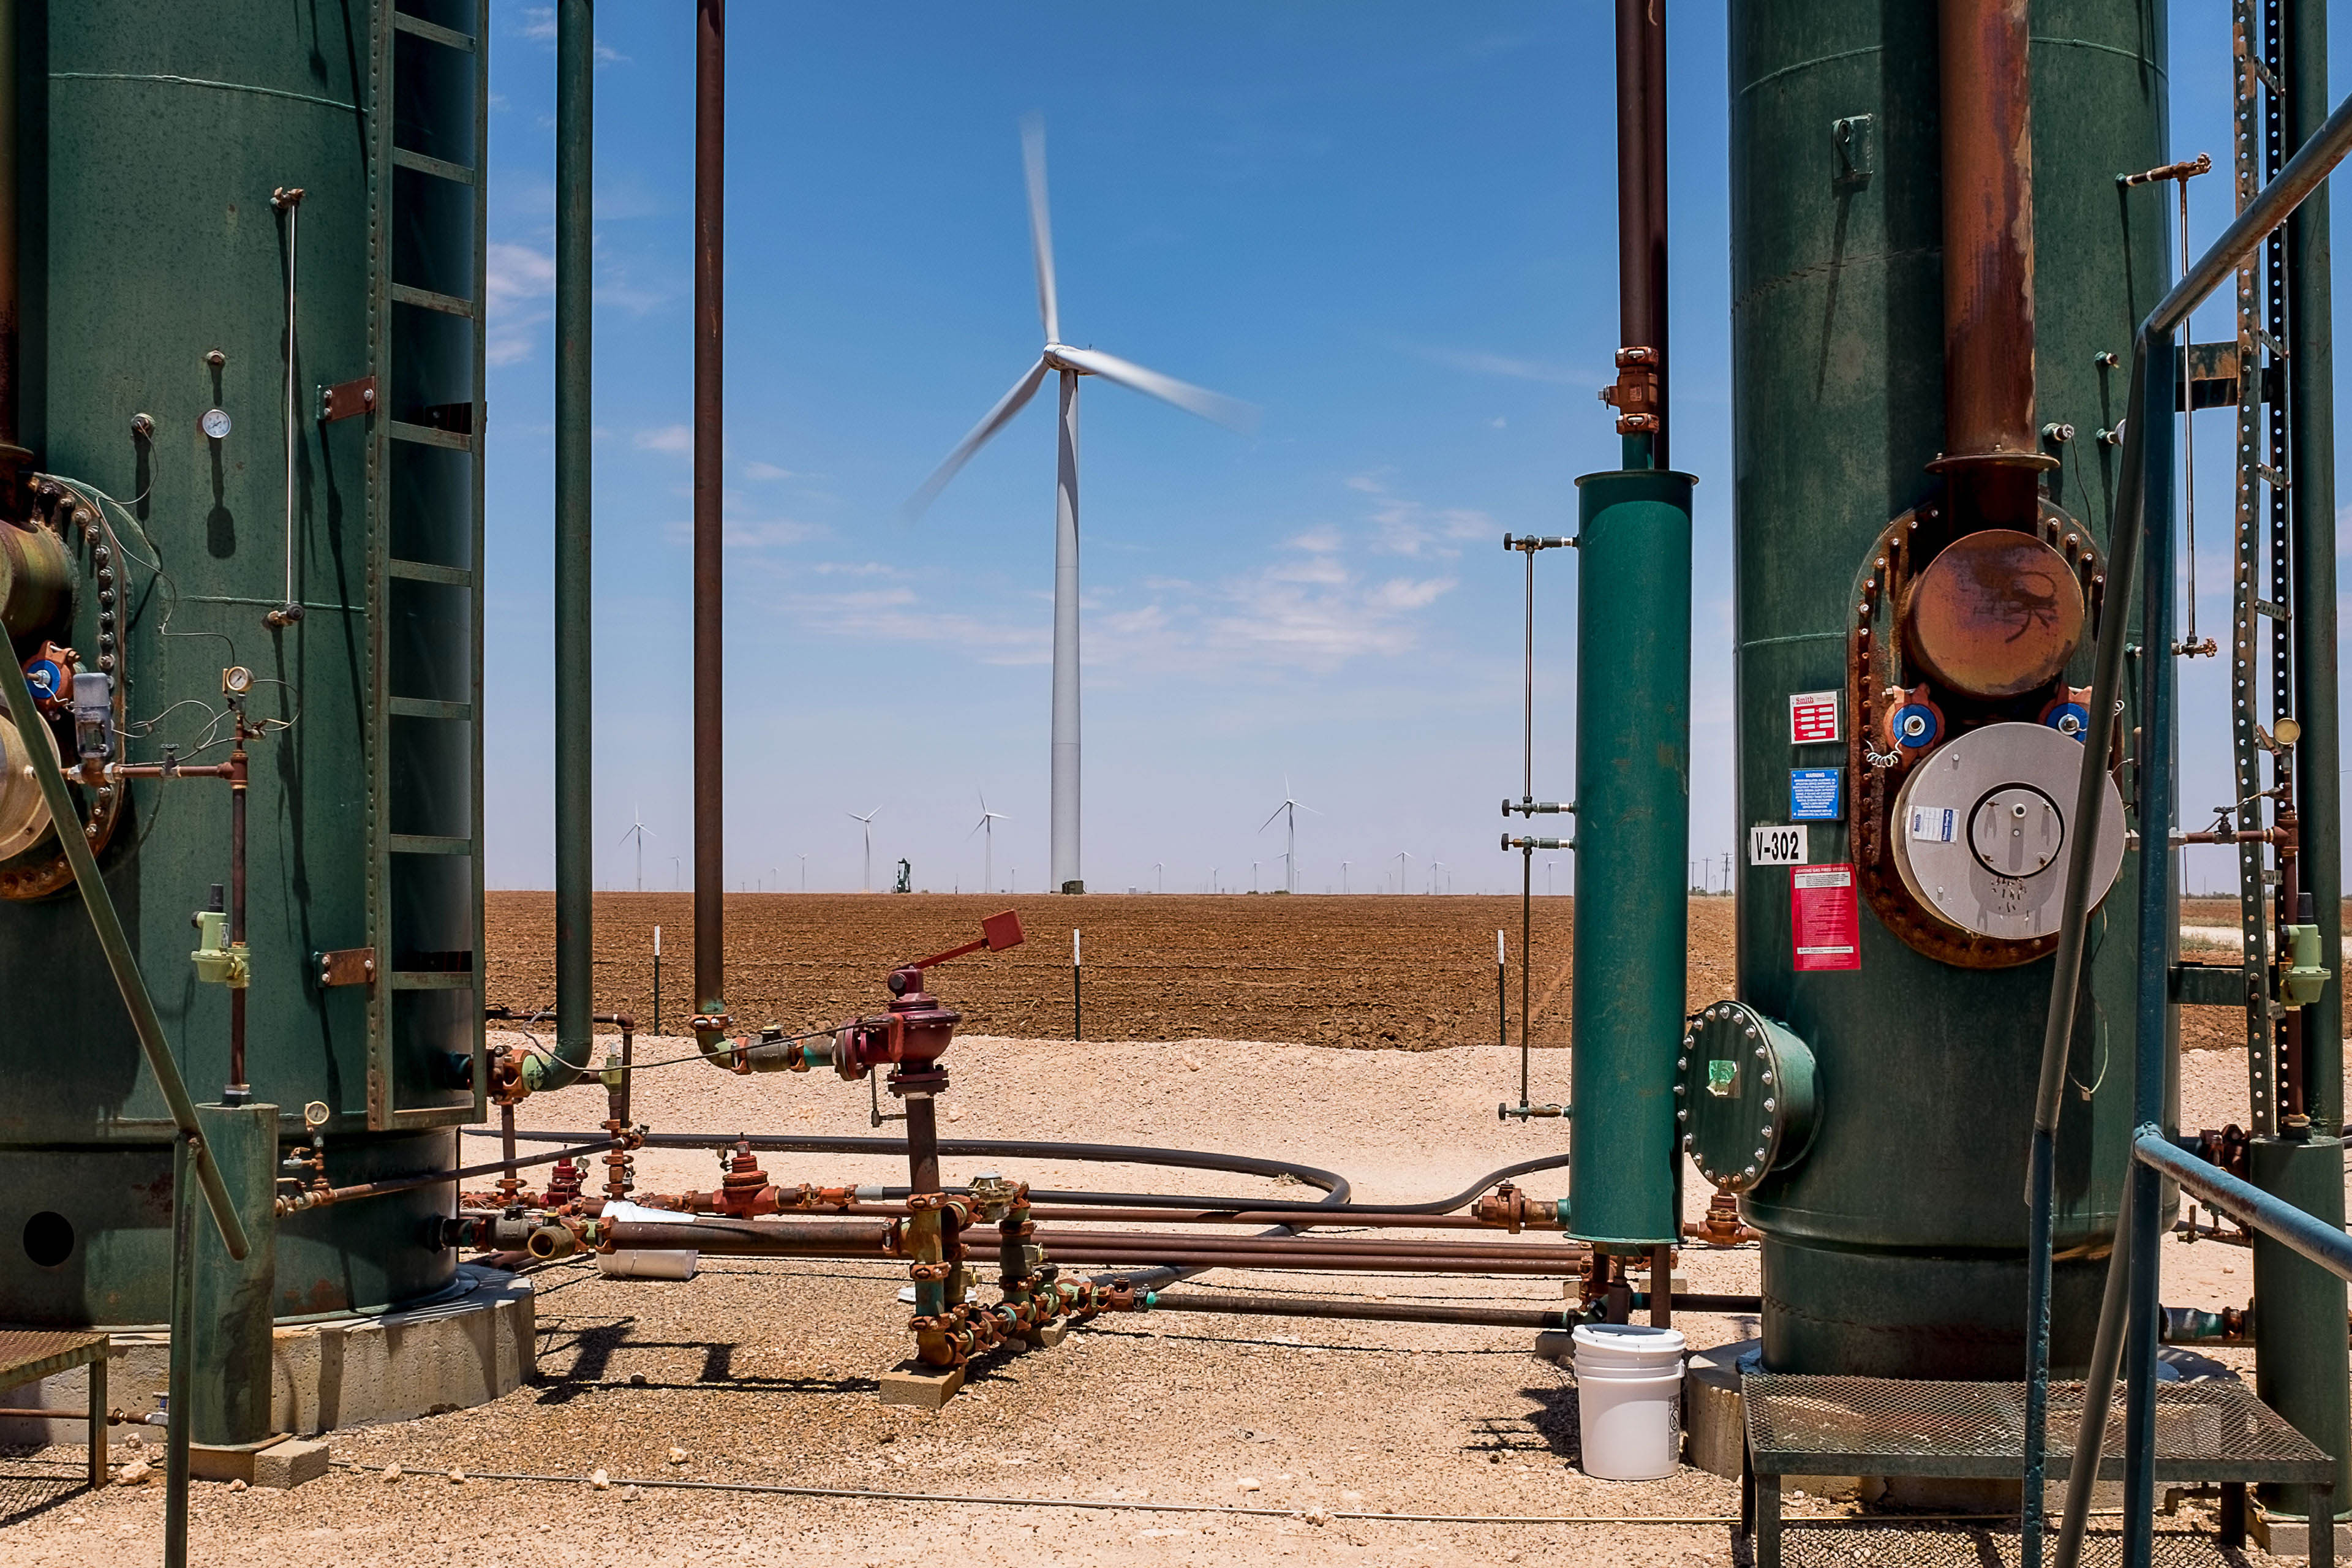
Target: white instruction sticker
{"x": 1933, "y": 825}
{"x": 1776, "y": 844}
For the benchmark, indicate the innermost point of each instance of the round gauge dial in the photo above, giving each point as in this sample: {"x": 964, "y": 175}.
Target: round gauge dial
{"x": 215, "y": 424}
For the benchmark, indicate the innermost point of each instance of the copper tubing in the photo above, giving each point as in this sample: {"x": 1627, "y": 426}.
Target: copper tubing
{"x": 1642, "y": 196}
{"x": 237, "y": 1092}
{"x": 710, "y": 558}
{"x": 1991, "y": 446}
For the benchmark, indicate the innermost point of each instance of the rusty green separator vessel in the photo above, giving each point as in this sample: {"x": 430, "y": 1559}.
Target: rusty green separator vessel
{"x": 220, "y": 211}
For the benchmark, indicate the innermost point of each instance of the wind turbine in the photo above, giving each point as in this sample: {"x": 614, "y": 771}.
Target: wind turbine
{"x": 866, "y": 884}
{"x": 1069, "y": 364}
{"x": 1290, "y": 808}
{"x": 987, "y": 824}
{"x": 638, "y": 830}
{"x": 1401, "y": 857}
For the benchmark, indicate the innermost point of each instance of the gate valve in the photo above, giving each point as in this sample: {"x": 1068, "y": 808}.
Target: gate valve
{"x": 916, "y": 1030}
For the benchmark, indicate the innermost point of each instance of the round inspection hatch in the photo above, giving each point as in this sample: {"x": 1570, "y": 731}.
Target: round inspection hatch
{"x": 1996, "y": 614}
{"x": 1982, "y": 825}
{"x": 1743, "y": 1095}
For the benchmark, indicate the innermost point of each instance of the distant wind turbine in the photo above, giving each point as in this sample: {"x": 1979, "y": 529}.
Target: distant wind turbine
{"x": 866, "y": 885}
{"x": 987, "y": 824}
{"x": 639, "y": 830}
{"x": 1069, "y": 364}
{"x": 1290, "y": 808}
{"x": 1402, "y": 856}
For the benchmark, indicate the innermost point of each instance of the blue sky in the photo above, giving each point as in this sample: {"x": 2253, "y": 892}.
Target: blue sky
{"x": 1387, "y": 225}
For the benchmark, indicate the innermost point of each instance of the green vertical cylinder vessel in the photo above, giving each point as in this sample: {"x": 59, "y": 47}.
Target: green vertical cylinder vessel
{"x": 1895, "y": 1246}
{"x": 2301, "y": 1360}
{"x": 155, "y": 140}
{"x": 1632, "y": 872}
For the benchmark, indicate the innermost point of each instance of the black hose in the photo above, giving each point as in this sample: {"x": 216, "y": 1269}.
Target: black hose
{"x": 1105, "y": 1153}
{"x": 1331, "y": 1182}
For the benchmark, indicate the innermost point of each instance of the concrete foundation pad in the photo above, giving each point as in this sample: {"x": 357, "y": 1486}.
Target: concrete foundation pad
{"x": 467, "y": 1349}
{"x": 920, "y": 1384}
{"x": 280, "y": 1463}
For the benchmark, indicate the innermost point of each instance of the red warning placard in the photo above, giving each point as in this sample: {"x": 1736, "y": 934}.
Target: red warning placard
{"x": 1824, "y": 922}
{"x": 1812, "y": 717}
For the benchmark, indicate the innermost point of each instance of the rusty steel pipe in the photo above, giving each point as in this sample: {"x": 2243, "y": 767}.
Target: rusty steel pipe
{"x": 1342, "y": 1216}
{"x": 1991, "y": 446}
{"x": 1126, "y": 1255}
{"x": 1642, "y": 196}
{"x": 1053, "y": 1238}
{"x": 237, "y": 1092}
{"x": 709, "y": 547}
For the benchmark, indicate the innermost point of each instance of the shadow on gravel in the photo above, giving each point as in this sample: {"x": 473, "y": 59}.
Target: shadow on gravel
{"x": 28, "y": 1497}
{"x": 596, "y": 1346}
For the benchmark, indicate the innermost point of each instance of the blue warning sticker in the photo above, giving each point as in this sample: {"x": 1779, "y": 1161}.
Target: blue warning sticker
{"x": 1816, "y": 794}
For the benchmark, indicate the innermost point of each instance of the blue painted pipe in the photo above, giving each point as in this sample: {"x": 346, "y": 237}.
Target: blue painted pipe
{"x": 2249, "y": 1205}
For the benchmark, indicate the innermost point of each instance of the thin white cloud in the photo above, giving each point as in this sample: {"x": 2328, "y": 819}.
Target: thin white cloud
{"x": 1481, "y": 361}
{"x": 675, "y": 439}
{"x": 519, "y": 281}
{"x": 765, "y": 472}
{"x": 539, "y": 27}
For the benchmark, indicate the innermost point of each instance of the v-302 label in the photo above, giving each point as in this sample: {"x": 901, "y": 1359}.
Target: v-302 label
{"x": 1776, "y": 844}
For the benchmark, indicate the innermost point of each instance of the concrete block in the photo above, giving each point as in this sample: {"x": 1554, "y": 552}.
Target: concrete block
{"x": 2283, "y": 1537}
{"x": 921, "y": 1385}
{"x": 287, "y": 1464}
{"x": 1715, "y": 1433}
{"x": 1052, "y": 1334}
{"x": 231, "y": 1462}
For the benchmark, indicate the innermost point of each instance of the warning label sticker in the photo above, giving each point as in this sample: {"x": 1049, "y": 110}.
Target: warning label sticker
{"x": 1933, "y": 825}
{"x": 1813, "y": 718}
{"x": 1824, "y": 921}
{"x": 1815, "y": 794}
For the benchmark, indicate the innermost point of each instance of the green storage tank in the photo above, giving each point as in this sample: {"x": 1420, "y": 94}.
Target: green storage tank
{"x": 153, "y": 137}
{"x": 1895, "y": 1235}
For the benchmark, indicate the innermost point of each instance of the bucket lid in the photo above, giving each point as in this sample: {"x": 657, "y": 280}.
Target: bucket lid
{"x": 1636, "y": 1340}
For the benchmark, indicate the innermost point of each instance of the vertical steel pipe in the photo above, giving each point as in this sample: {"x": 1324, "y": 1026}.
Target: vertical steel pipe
{"x": 11, "y": 422}
{"x": 1642, "y": 205}
{"x": 2159, "y": 950}
{"x": 575, "y": 850}
{"x": 1991, "y": 444}
{"x": 2311, "y": 492}
{"x": 180, "y": 1371}
{"x": 709, "y": 544}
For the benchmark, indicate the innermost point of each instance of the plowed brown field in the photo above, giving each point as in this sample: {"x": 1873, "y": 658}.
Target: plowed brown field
{"x": 1368, "y": 971}
{"x": 1410, "y": 972}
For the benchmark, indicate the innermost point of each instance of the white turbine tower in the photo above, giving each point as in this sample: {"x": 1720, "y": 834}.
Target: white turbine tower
{"x": 1290, "y": 808}
{"x": 1069, "y": 364}
{"x": 866, "y": 883}
{"x": 987, "y": 826}
{"x": 638, "y": 830}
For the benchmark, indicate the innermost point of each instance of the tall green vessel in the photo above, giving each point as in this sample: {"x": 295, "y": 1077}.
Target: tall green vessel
{"x": 173, "y": 161}
{"x": 1895, "y": 1228}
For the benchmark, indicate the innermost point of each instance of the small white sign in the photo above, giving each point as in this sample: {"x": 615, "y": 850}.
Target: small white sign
{"x": 1933, "y": 825}
{"x": 1776, "y": 844}
{"x": 1813, "y": 718}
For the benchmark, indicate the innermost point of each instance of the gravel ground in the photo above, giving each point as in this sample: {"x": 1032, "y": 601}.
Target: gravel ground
{"x": 763, "y": 1371}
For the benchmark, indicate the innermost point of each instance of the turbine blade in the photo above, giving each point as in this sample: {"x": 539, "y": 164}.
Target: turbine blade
{"x": 1041, "y": 223}
{"x": 1304, "y": 808}
{"x": 1269, "y": 821}
{"x": 1010, "y": 404}
{"x": 1215, "y": 407}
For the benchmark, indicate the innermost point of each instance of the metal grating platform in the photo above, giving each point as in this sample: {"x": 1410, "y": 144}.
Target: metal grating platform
{"x": 28, "y": 1355}
{"x": 1870, "y": 1426}
{"x": 1799, "y": 1426}
{"x": 1890, "y": 1545}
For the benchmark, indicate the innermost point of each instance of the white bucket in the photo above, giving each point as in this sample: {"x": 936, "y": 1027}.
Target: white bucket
{"x": 647, "y": 1263}
{"x": 1629, "y": 1400}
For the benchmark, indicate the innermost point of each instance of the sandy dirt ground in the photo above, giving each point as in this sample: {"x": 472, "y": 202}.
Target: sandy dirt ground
{"x": 1303, "y": 1442}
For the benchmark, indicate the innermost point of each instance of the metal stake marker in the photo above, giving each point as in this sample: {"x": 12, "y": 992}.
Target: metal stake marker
{"x": 657, "y": 979}
{"x": 1077, "y": 989}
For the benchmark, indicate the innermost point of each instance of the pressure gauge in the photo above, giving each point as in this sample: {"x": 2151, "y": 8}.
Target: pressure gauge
{"x": 236, "y": 680}
{"x": 215, "y": 424}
